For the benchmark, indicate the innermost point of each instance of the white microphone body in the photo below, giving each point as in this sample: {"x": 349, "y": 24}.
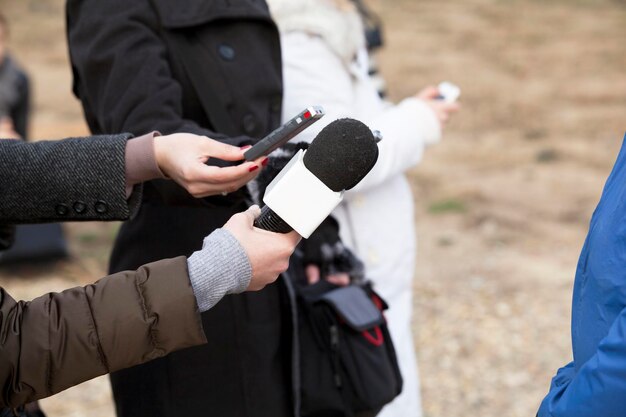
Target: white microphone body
{"x": 301, "y": 199}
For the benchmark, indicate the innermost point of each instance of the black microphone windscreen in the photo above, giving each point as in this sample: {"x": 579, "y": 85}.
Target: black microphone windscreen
{"x": 342, "y": 154}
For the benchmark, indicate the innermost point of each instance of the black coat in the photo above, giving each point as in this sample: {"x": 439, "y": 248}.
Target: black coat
{"x": 203, "y": 67}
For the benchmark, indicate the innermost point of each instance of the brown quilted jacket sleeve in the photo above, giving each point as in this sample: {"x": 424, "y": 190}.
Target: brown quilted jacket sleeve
{"x": 62, "y": 339}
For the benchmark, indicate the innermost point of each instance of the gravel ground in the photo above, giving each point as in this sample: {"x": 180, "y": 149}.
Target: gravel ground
{"x": 502, "y": 204}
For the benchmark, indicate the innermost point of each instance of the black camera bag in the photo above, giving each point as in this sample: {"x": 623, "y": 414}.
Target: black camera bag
{"x": 347, "y": 359}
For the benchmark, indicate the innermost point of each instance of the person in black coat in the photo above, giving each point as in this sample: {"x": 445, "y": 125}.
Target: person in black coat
{"x": 211, "y": 68}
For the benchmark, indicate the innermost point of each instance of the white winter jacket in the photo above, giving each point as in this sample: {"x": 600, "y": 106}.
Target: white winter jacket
{"x": 377, "y": 217}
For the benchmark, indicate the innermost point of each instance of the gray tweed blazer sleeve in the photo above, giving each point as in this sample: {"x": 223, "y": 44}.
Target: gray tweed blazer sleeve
{"x": 68, "y": 180}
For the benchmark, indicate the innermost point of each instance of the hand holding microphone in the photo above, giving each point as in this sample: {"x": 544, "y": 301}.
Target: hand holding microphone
{"x": 267, "y": 252}
{"x": 238, "y": 257}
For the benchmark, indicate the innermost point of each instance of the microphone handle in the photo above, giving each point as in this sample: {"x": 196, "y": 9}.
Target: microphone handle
{"x": 268, "y": 220}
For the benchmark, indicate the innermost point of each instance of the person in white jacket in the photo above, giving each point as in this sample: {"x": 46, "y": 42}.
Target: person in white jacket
{"x": 325, "y": 63}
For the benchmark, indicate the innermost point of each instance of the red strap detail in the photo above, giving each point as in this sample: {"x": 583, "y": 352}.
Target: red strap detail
{"x": 377, "y": 340}
{"x": 378, "y": 302}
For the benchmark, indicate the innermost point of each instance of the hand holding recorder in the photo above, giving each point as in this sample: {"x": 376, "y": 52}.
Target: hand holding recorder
{"x": 442, "y": 100}
{"x": 182, "y": 157}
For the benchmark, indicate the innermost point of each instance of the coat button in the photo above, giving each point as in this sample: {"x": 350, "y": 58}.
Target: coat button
{"x": 249, "y": 123}
{"x": 101, "y": 207}
{"x": 62, "y": 209}
{"x": 226, "y": 52}
{"x": 79, "y": 207}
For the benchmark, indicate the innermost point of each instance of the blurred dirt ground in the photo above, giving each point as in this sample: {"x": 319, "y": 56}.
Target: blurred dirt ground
{"x": 502, "y": 204}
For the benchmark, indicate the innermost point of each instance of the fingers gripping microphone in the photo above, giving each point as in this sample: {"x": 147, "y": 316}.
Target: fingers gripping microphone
{"x": 311, "y": 185}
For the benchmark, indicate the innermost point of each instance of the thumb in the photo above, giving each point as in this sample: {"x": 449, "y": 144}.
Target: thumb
{"x": 221, "y": 150}
{"x": 251, "y": 214}
{"x": 428, "y": 93}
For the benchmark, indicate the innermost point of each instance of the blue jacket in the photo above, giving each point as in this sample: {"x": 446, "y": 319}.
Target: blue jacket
{"x": 594, "y": 384}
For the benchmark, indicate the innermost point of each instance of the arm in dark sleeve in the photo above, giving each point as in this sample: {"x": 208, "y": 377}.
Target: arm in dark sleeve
{"x": 599, "y": 386}
{"x": 62, "y": 339}
{"x": 73, "y": 179}
{"x": 121, "y": 69}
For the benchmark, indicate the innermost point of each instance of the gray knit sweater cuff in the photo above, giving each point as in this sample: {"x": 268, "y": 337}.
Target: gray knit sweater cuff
{"x": 221, "y": 267}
